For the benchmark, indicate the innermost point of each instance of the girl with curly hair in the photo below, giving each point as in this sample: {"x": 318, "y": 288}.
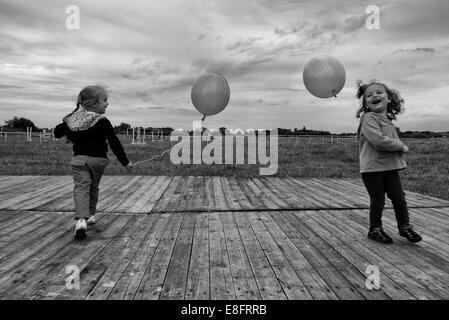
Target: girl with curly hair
{"x": 381, "y": 157}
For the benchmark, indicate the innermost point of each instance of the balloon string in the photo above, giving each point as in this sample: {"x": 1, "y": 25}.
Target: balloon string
{"x": 334, "y": 93}
{"x": 158, "y": 155}
{"x": 204, "y": 117}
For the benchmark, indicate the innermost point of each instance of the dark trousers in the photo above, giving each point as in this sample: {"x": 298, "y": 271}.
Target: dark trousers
{"x": 389, "y": 182}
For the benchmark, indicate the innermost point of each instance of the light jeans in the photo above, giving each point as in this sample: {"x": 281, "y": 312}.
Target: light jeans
{"x": 87, "y": 172}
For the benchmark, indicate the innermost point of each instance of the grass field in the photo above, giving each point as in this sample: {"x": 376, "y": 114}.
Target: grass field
{"x": 427, "y": 173}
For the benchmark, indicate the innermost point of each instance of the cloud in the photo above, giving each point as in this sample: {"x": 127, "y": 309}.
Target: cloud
{"x": 417, "y": 50}
{"x": 149, "y": 54}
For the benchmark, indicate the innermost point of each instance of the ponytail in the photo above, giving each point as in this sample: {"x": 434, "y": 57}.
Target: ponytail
{"x": 87, "y": 97}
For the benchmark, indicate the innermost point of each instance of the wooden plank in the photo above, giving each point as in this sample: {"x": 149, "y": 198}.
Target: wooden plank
{"x": 307, "y": 193}
{"x": 175, "y": 203}
{"x": 333, "y": 198}
{"x": 138, "y": 194}
{"x": 297, "y": 193}
{"x": 270, "y": 194}
{"x": 269, "y": 286}
{"x": 390, "y": 272}
{"x": 288, "y": 198}
{"x": 436, "y": 252}
{"x": 23, "y": 239}
{"x": 242, "y": 199}
{"x": 339, "y": 285}
{"x": 264, "y": 195}
{"x": 123, "y": 194}
{"x": 21, "y": 184}
{"x": 121, "y": 259}
{"x": 6, "y": 216}
{"x": 386, "y": 253}
{"x": 230, "y": 198}
{"x": 54, "y": 285}
{"x": 48, "y": 258}
{"x": 128, "y": 284}
{"x": 309, "y": 276}
{"x": 20, "y": 221}
{"x": 176, "y": 279}
{"x": 221, "y": 281}
{"x": 353, "y": 276}
{"x": 152, "y": 283}
{"x": 255, "y": 200}
{"x": 220, "y": 199}
{"x": 21, "y": 199}
{"x": 336, "y": 193}
{"x": 245, "y": 285}
{"x": 43, "y": 195}
{"x": 164, "y": 201}
{"x": 208, "y": 194}
{"x": 161, "y": 186}
{"x": 291, "y": 284}
{"x": 117, "y": 248}
{"x": 196, "y": 203}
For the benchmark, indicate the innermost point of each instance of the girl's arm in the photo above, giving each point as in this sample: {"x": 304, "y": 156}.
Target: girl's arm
{"x": 371, "y": 130}
{"x": 115, "y": 144}
{"x": 60, "y": 130}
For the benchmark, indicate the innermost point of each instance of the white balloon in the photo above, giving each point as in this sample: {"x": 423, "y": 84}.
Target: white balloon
{"x": 210, "y": 94}
{"x": 324, "y": 76}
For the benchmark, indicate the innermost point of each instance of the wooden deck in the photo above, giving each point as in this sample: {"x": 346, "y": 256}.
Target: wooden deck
{"x": 215, "y": 238}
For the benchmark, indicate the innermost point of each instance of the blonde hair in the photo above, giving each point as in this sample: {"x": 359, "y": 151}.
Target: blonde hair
{"x": 88, "y": 97}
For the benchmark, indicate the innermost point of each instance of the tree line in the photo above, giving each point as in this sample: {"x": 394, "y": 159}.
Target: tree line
{"x": 21, "y": 124}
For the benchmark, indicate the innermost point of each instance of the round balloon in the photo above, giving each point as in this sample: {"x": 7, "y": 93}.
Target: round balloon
{"x": 210, "y": 94}
{"x": 324, "y": 76}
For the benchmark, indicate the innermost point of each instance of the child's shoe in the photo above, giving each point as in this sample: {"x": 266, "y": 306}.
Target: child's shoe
{"x": 379, "y": 235}
{"x": 80, "y": 229}
{"x": 91, "y": 220}
{"x": 410, "y": 234}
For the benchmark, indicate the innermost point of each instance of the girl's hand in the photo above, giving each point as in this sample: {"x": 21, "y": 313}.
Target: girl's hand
{"x": 405, "y": 149}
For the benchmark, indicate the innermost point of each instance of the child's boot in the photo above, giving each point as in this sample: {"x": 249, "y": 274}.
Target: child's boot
{"x": 410, "y": 234}
{"x": 379, "y": 235}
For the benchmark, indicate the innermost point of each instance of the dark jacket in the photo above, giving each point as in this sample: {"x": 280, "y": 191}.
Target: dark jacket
{"x": 89, "y": 132}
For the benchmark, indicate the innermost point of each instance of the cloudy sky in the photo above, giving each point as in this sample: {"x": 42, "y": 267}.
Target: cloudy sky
{"x": 149, "y": 54}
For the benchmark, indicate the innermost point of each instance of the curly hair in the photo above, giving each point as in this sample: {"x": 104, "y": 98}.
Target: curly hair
{"x": 394, "y": 107}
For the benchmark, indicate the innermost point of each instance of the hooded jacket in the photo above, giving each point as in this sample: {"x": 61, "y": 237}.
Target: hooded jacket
{"x": 379, "y": 146}
{"x": 89, "y": 132}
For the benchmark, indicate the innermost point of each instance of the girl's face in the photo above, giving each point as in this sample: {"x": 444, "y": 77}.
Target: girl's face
{"x": 376, "y": 98}
{"x": 102, "y": 103}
